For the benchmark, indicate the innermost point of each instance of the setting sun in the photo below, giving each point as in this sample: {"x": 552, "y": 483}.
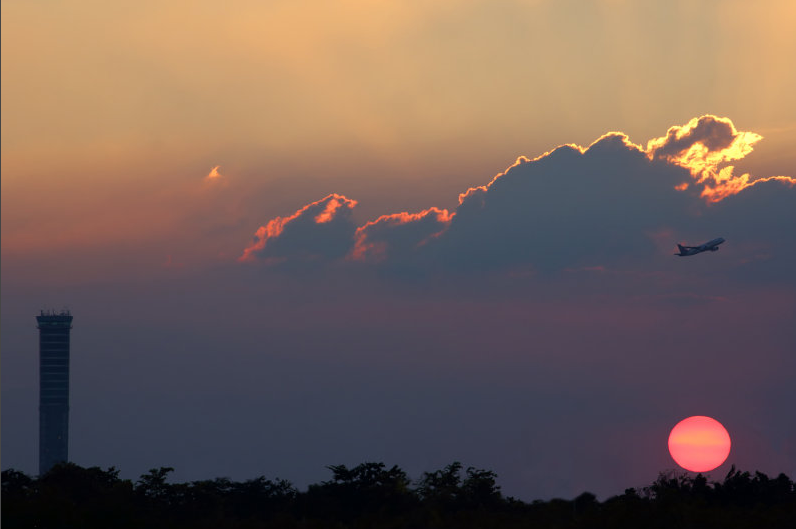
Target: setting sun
{"x": 699, "y": 443}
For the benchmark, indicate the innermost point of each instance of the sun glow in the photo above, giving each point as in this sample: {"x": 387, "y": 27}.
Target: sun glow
{"x": 699, "y": 443}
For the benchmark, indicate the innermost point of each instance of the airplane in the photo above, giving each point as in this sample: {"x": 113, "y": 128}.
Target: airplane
{"x": 713, "y": 246}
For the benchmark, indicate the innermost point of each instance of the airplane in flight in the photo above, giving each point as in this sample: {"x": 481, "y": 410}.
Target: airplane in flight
{"x": 713, "y": 246}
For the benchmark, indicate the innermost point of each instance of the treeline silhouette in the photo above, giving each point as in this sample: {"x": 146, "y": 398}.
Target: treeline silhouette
{"x": 372, "y": 495}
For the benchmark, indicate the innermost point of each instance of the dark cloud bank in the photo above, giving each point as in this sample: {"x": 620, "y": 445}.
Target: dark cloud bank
{"x": 611, "y": 205}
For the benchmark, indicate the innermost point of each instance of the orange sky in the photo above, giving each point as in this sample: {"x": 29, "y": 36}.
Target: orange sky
{"x": 112, "y": 115}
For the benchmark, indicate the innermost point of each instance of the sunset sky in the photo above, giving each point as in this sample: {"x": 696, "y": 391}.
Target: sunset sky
{"x": 306, "y": 233}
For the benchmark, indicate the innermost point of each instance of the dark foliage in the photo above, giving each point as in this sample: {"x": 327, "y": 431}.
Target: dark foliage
{"x": 371, "y": 495}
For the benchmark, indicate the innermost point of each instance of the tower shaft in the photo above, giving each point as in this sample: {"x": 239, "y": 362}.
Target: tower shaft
{"x": 53, "y": 388}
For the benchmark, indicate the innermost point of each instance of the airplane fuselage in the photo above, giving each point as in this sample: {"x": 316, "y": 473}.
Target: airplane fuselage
{"x": 712, "y": 245}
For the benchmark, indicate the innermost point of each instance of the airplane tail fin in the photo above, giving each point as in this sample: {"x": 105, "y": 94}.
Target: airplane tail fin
{"x": 682, "y": 250}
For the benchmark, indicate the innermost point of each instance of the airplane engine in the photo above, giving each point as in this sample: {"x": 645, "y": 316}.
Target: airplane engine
{"x": 714, "y": 249}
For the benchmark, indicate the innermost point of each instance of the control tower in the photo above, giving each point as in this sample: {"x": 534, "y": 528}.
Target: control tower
{"x": 53, "y": 387}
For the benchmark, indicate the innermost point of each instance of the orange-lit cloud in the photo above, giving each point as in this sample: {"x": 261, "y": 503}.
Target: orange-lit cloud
{"x": 320, "y": 229}
{"x": 399, "y": 232}
{"x": 703, "y": 146}
{"x": 332, "y": 205}
{"x": 215, "y": 179}
{"x": 213, "y": 175}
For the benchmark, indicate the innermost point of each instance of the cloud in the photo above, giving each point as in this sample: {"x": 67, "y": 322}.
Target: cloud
{"x": 572, "y": 207}
{"x": 213, "y": 175}
{"x": 702, "y": 146}
{"x": 401, "y": 233}
{"x": 613, "y": 204}
{"x": 319, "y": 231}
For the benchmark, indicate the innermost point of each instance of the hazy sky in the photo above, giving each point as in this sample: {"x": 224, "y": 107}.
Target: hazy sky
{"x": 279, "y": 228}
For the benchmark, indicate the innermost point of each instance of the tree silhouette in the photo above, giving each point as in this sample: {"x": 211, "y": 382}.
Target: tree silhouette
{"x": 441, "y": 487}
{"x": 153, "y": 485}
{"x": 369, "y": 489}
{"x": 372, "y": 495}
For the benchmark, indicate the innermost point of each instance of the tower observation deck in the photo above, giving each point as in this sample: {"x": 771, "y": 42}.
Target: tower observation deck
{"x": 54, "y": 330}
